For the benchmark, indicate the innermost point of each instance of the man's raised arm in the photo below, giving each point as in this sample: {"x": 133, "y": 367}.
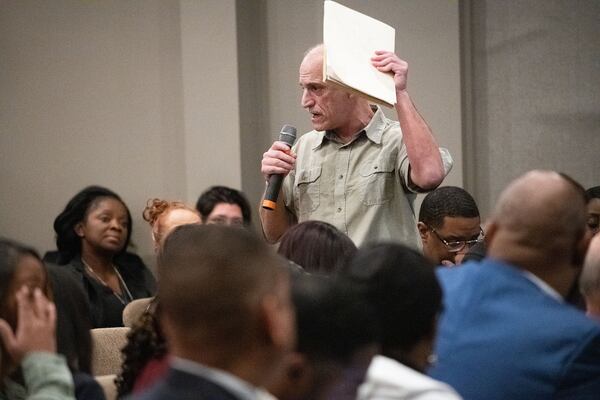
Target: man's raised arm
{"x": 426, "y": 167}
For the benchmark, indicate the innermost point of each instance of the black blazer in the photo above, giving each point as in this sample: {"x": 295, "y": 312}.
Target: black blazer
{"x": 180, "y": 385}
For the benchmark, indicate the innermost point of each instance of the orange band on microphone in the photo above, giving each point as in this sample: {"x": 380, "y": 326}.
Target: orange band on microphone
{"x": 271, "y": 205}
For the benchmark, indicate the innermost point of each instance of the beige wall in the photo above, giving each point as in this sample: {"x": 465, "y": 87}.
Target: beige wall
{"x": 533, "y": 74}
{"x": 165, "y": 98}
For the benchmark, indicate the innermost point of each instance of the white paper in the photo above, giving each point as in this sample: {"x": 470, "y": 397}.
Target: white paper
{"x": 350, "y": 40}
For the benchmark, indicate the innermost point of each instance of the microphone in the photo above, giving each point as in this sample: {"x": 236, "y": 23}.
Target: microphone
{"x": 287, "y": 136}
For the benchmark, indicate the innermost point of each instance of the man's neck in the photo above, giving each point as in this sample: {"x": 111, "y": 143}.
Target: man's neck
{"x": 251, "y": 368}
{"x": 361, "y": 118}
{"x": 557, "y": 273}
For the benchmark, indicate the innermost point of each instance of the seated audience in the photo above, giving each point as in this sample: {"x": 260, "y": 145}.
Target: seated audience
{"x": 337, "y": 338}
{"x": 29, "y": 365}
{"x": 449, "y": 224}
{"x": 224, "y": 206}
{"x": 589, "y": 281}
{"x": 317, "y": 246}
{"x": 593, "y": 209}
{"x": 506, "y": 331}
{"x": 224, "y": 346}
{"x": 145, "y": 356}
{"x": 401, "y": 285}
{"x": 91, "y": 233}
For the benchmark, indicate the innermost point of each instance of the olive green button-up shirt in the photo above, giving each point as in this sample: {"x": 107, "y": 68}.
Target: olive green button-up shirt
{"x": 361, "y": 187}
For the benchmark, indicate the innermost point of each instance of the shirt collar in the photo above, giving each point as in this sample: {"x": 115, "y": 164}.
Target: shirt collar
{"x": 543, "y": 286}
{"x": 373, "y": 130}
{"x": 241, "y": 389}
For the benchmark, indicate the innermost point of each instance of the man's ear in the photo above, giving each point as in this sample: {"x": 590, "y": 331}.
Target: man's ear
{"x": 423, "y": 231}
{"x": 278, "y": 324}
{"x": 491, "y": 227}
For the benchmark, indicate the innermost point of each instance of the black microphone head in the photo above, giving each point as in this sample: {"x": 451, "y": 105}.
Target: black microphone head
{"x": 288, "y": 135}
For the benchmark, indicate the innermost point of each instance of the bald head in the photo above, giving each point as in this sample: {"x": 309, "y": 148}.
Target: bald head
{"x": 541, "y": 212}
{"x": 315, "y": 52}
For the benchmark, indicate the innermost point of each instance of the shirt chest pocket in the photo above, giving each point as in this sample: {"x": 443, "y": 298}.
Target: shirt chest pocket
{"x": 379, "y": 181}
{"x": 307, "y": 190}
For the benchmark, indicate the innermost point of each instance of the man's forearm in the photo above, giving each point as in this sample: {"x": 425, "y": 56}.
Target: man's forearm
{"x": 427, "y": 169}
{"x": 275, "y": 222}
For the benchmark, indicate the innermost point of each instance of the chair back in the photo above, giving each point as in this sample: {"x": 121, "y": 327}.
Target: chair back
{"x": 106, "y": 353}
{"x": 134, "y": 310}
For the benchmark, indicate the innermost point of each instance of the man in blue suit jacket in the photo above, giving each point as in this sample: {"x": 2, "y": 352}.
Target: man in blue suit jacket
{"x": 506, "y": 332}
{"x": 226, "y": 312}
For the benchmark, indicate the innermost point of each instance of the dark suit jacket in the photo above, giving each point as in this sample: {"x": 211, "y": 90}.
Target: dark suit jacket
{"x": 502, "y": 337}
{"x": 180, "y": 385}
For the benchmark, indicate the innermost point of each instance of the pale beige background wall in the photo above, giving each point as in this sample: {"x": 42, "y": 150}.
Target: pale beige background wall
{"x": 165, "y": 98}
{"x": 533, "y": 80}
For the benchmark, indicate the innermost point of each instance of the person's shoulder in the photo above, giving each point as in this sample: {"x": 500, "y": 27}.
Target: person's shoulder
{"x": 183, "y": 386}
{"x": 387, "y": 378}
{"x": 86, "y": 387}
{"x": 580, "y": 378}
{"x": 136, "y": 274}
{"x": 310, "y": 137}
{"x": 71, "y": 272}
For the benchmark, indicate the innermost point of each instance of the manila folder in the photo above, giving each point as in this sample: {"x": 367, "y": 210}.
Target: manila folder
{"x": 350, "y": 40}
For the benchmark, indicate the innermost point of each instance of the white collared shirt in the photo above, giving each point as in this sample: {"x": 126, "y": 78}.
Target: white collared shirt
{"x": 388, "y": 379}
{"x": 543, "y": 286}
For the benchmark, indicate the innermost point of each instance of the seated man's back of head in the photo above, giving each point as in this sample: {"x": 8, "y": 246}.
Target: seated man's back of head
{"x": 226, "y": 313}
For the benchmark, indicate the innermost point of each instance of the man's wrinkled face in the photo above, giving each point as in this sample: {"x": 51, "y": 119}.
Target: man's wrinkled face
{"x": 453, "y": 229}
{"x": 328, "y": 106}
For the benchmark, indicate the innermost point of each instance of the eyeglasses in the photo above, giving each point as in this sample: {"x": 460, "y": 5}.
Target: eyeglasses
{"x": 457, "y": 245}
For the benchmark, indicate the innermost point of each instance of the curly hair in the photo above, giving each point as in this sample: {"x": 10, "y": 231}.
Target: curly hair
{"x": 157, "y": 208}
{"x": 67, "y": 241}
{"x": 145, "y": 342}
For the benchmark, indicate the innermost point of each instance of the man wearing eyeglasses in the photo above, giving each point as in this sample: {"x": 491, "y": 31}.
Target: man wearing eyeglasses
{"x": 449, "y": 225}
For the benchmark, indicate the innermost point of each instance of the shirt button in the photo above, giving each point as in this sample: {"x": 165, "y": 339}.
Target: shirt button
{"x": 339, "y": 209}
{"x": 341, "y": 176}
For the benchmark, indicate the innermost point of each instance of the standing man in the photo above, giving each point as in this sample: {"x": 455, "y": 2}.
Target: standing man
{"x": 357, "y": 169}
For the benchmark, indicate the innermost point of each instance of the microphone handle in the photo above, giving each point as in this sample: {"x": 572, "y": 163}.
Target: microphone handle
{"x": 272, "y": 192}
